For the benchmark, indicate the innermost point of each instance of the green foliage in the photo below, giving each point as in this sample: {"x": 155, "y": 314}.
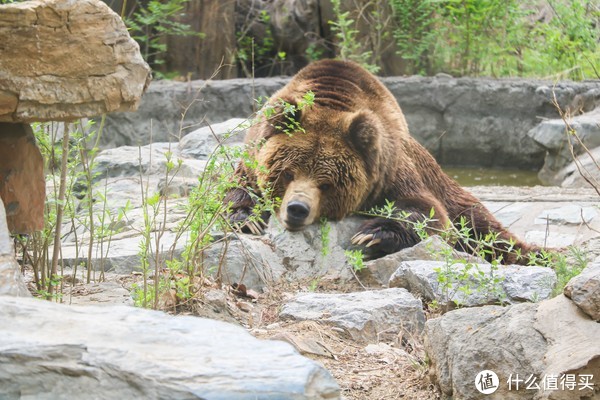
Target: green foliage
{"x": 570, "y": 42}
{"x": 285, "y": 113}
{"x": 355, "y": 259}
{"x": 474, "y": 37}
{"x": 152, "y": 22}
{"x": 459, "y": 277}
{"x": 206, "y": 211}
{"x": 263, "y": 54}
{"x": 347, "y": 43}
{"x": 83, "y": 208}
{"x": 566, "y": 265}
{"x": 414, "y": 33}
{"x": 325, "y": 230}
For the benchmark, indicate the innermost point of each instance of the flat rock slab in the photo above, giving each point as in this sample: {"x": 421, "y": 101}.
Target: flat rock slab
{"x": 365, "y": 316}
{"x": 569, "y": 214}
{"x": 51, "y": 351}
{"x": 584, "y": 290}
{"x": 546, "y": 216}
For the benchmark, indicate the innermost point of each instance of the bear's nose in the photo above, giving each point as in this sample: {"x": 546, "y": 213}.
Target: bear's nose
{"x": 297, "y": 212}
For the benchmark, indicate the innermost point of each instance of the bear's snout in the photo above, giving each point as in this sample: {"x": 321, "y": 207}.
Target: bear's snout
{"x": 297, "y": 212}
{"x": 300, "y": 204}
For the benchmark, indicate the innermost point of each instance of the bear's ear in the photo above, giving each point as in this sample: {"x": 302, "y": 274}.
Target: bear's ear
{"x": 364, "y": 135}
{"x": 282, "y": 117}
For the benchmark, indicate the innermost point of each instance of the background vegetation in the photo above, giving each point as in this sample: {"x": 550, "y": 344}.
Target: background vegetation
{"x": 553, "y": 39}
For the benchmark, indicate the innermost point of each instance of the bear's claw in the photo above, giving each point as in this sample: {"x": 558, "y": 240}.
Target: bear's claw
{"x": 253, "y": 227}
{"x": 368, "y": 238}
{"x": 240, "y": 221}
{"x": 361, "y": 238}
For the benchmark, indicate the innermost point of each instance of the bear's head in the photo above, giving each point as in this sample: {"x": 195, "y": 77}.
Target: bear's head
{"x": 325, "y": 170}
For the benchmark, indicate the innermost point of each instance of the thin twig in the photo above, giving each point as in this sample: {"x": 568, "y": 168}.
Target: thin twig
{"x": 59, "y": 208}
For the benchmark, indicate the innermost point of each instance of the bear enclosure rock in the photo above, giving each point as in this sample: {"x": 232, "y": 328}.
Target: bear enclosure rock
{"x": 67, "y": 59}
{"x": 59, "y": 352}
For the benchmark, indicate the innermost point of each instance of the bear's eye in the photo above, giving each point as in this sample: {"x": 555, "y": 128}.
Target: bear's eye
{"x": 287, "y": 176}
{"x": 324, "y": 187}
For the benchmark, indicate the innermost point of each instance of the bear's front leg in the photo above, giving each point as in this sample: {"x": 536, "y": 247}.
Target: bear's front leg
{"x": 381, "y": 236}
{"x": 241, "y": 212}
{"x": 241, "y": 203}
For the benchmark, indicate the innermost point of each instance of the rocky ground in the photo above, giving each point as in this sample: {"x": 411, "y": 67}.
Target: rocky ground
{"x": 366, "y": 327}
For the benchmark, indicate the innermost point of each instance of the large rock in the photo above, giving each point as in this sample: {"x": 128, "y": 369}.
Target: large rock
{"x": 22, "y": 184}
{"x": 66, "y": 59}
{"x": 464, "y": 121}
{"x": 11, "y": 281}
{"x": 280, "y": 255}
{"x": 473, "y": 284}
{"x": 540, "y": 340}
{"x": 584, "y": 290}
{"x": 51, "y": 351}
{"x": 552, "y": 135}
{"x": 583, "y": 173}
{"x": 364, "y": 316}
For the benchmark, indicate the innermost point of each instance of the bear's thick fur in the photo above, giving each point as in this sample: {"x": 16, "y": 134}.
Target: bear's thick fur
{"x": 353, "y": 154}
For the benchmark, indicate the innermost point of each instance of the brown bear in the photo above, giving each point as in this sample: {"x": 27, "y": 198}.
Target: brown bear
{"x": 352, "y": 152}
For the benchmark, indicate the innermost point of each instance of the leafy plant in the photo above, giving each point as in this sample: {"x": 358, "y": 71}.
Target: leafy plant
{"x": 414, "y": 33}
{"x": 347, "y": 43}
{"x": 355, "y": 259}
{"x": 566, "y": 265}
{"x": 325, "y": 229}
{"x": 258, "y": 56}
{"x": 151, "y": 22}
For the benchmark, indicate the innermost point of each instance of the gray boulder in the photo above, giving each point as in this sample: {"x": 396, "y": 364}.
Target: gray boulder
{"x": 51, "y": 351}
{"x": 122, "y": 254}
{"x": 523, "y": 341}
{"x": 552, "y": 135}
{"x": 11, "y": 280}
{"x": 473, "y": 284}
{"x": 280, "y": 255}
{"x": 584, "y": 290}
{"x": 365, "y": 316}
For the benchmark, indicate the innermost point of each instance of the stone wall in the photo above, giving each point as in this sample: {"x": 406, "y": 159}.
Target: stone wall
{"x": 462, "y": 121}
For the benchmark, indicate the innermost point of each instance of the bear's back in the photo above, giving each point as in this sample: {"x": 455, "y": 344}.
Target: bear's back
{"x": 341, "y": 85}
